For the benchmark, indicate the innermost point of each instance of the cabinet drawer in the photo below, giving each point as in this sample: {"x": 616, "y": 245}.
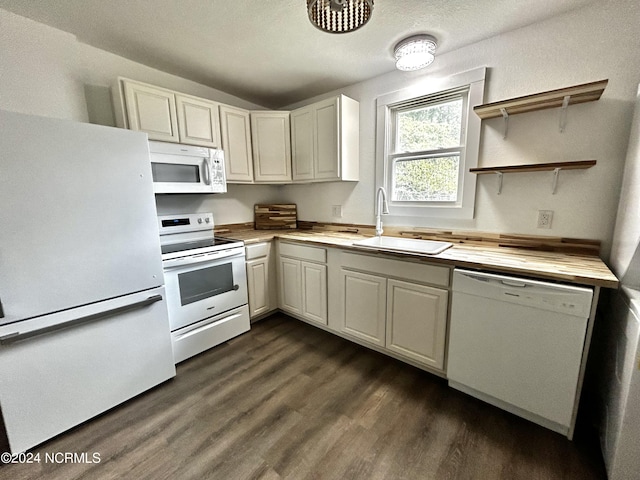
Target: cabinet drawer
{"x": 303, "y": 252}
{"x": 258, "y": 250}
{"x": 414, "y": 271}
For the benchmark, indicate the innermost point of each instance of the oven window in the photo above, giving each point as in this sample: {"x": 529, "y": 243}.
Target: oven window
{"x": 205, "y": 283}
{"x": 175, "y": 173}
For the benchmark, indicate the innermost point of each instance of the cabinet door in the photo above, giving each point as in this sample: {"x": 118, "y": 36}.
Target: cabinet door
{"x": 327, "y": 159}
{"x": 271, "y": 140}
{"x": 198, "y": 121}
{"x": 151, "y": 110}
{"x": 290, "y": 285}
{"x": 236, "y": 143}
{"x": 417, "y": 322}
{"x": 258, "y": 286}
{"x": 364, "y": 306}
{"x": 302, "y": 135}
{"x": 314, "y": 292}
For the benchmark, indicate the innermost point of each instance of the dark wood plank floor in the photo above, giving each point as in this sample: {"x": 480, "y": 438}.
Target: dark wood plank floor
{"x": 289, "y": 401}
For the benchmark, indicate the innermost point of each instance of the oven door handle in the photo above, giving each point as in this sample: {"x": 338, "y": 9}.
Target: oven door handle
{"x": 205, "y": 257}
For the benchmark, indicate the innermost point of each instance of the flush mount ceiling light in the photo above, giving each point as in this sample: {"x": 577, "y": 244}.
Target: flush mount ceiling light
{"x": 416, "y": 52}
{"x": 339, "y": 16}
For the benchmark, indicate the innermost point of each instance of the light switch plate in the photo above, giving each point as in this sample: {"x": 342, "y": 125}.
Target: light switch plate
{"x": 336, "y": 211}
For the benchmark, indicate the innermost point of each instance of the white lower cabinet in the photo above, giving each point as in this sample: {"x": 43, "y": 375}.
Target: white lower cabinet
{"x": 258, "y": 285}
{"x": 364, "y": 306}
{"x": 395, "y": 306}
{"x": 261, "y": 281}
{"x": 290, "y": 285}
{"x": 314, "y": 291}
{"x": 302, "y": 273}
{"x": 417, "y": 322}
{"x": 389, "y": 304}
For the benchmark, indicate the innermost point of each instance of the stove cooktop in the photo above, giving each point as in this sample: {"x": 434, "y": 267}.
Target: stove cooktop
{"x": 210, "y": 244}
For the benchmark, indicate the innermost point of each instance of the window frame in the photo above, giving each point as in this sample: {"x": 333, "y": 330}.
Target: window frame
{"x": 422, "y": 93}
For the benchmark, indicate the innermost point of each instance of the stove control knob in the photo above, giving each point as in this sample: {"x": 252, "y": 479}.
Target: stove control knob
{"x": 199, "y": 220}
{"x": 207, "y": 220}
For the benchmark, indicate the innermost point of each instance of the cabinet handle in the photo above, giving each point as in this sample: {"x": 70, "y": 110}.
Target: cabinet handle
{"x": 17, "y": 336}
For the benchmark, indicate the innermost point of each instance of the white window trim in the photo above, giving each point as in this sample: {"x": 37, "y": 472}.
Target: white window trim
{"x": 474, "y": 80}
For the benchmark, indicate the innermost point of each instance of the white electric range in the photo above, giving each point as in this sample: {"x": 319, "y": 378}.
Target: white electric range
{"x": 205, "y": 281}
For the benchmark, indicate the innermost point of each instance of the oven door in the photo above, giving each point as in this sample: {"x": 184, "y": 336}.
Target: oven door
{"x": 205, "y": 285}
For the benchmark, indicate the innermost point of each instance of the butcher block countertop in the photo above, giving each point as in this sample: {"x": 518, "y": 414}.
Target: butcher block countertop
{"x": 580, "y": 269}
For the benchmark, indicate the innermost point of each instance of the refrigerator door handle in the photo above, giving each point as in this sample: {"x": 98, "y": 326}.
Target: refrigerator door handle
{"x": 1, "y": 310}
{"x": 17, "y": 336}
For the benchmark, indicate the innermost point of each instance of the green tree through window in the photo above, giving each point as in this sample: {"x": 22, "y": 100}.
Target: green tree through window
{"x": 421, "y": 171}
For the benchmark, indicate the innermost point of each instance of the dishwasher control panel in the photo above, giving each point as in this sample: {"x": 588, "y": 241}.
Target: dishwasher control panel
{"x": 559, "y": 298}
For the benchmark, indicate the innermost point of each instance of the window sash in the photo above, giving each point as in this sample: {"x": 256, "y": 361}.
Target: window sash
{"x": 425, "y": 155}
{"x": 424, "y": 91}
{"x": 392, "y": 154}
{"x": 425, "y": 102}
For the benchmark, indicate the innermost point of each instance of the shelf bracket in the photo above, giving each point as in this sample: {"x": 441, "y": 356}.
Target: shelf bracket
{"x": 563, "y": 112}
{"x": 554, "y": 182}
{"x": 505, "y": 115}
{"x": 500, "y": 175}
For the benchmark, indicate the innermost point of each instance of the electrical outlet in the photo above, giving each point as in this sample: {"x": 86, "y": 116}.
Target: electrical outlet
{"x": 336, "y": 211}
{"x": 545, "y": 217}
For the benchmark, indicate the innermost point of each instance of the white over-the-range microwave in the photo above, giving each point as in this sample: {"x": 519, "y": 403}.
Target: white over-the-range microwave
{"x": 180, "y": 168}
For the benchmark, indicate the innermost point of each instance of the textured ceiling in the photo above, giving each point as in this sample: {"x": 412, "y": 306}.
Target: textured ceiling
{"x": 267, "y": 51}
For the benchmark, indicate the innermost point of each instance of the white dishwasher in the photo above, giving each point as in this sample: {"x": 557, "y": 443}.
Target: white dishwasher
{"x": 518, "y": 344}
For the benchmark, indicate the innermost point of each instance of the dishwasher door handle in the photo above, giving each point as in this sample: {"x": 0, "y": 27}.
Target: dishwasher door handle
{"x": 513, "y": 283}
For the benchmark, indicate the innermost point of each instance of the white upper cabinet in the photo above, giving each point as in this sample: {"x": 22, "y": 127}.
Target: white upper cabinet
{"x": 198, "y": 122}
{"x": 152, "y": 110}
{"x": 302, "y": 143}
{"x": 316, "y": 143}
{"x": 166, "y": 115}
{"x": 271, "y": 141}
{"x": 236, "y": 142}
{"x": 325, "y": 140}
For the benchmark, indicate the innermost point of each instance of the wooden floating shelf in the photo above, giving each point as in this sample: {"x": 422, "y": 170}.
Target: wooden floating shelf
{"x": 554, "y": 167}
{"x": 536, "y": 167}
{"x": 587, "y": 92}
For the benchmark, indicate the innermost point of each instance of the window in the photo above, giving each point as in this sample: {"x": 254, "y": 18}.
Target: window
{"x": 428, "y": 140}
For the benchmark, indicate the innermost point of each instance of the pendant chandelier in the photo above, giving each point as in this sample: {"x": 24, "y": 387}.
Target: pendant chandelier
{"x": 339, "y": 16}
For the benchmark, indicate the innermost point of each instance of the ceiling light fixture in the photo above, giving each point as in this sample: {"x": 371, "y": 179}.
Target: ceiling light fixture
{"x": 416, "y": 52}
{"x": 339, "y": 16}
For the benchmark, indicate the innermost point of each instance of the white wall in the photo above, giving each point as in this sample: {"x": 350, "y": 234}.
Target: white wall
{"x": 625, "y": 254}
{"x": 44, "y": 71}
{"x": 591, "y": 44}
{"x": 38, "y": 70}
{"x": 48, "y": 72}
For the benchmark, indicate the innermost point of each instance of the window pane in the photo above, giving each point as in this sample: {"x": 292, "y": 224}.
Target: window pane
{"x": 429, "y": 128}
{"x": 433, "y": 179}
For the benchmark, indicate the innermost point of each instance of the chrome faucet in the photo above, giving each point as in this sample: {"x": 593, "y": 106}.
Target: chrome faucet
{"x": 384, "y": 207}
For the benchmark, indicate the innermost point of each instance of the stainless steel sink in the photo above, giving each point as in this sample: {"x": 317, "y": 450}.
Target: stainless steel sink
{"x": 408, "y": 245}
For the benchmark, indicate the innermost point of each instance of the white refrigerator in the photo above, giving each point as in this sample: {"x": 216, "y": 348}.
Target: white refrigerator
{"x": 620, "y": 362}
{"x": 83, "y": 317}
